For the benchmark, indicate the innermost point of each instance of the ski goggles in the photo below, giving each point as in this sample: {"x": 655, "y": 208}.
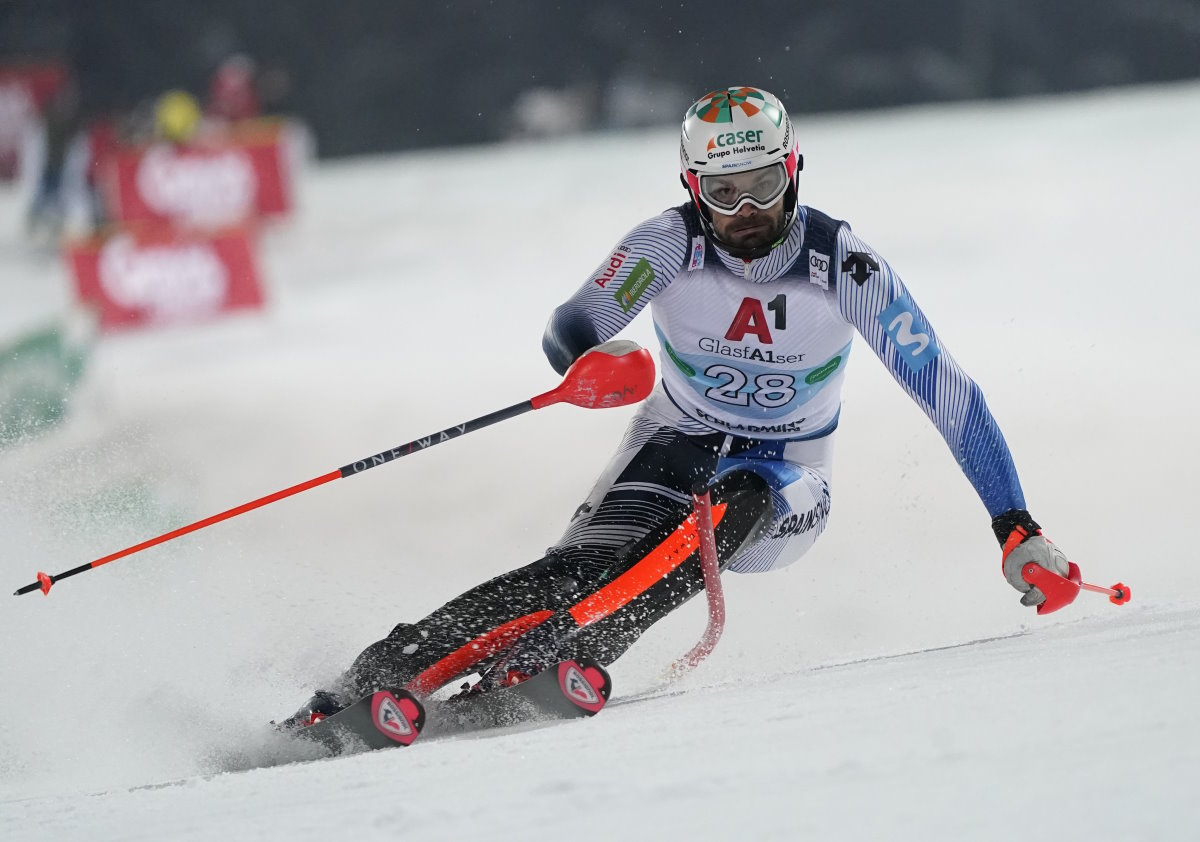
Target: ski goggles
{"x": 727, "y": 192}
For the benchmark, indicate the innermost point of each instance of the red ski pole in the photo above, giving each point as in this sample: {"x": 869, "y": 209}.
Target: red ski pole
{"x": 597, "y": 380}
{"x": 710, "y": 565}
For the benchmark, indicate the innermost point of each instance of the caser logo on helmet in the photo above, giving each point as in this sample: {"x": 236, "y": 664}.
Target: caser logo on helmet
{"x": 730, "y": 138}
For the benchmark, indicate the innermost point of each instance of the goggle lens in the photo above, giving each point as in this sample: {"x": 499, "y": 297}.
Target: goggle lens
{"x": 727, "y": 192}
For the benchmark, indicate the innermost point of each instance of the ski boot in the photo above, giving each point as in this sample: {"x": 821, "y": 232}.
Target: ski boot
{"x": 322, "y": 705}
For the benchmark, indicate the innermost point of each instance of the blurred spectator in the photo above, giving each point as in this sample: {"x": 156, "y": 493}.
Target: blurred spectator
{"x": 68, "y": 154}
{"x": 233, "y": 93}
{"x": 47, "y": 155}
{"x": 177, "y": 117}
{"x": 274, "y": 86}
{"x": 552, "y": 112}
{"x": 634, "y": 98}
{"x": 90, "y": 158}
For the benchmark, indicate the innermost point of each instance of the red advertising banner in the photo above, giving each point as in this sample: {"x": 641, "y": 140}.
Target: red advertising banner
{"x": 243, "y": 177}
{"x": 166, "y": 277}
{"x": 24, "y": 92}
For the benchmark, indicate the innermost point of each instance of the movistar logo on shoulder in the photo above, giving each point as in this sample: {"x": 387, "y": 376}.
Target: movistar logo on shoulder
{"x": 909, "y": 333}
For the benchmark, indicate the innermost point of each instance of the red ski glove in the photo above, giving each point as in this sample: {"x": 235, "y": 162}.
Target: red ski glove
{"x": 1022, "y": 542}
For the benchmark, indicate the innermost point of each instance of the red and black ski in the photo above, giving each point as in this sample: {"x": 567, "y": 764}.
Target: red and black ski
{"x": 387, "y": 718}
{"x": 384, "y": 719}
{"x": 568, "y": 690}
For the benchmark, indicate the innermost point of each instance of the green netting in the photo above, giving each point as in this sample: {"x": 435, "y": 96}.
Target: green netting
{"x": 37, "y": 376}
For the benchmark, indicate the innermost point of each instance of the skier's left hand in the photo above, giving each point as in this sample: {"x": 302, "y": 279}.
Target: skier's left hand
{"x": 1022, "y": 542}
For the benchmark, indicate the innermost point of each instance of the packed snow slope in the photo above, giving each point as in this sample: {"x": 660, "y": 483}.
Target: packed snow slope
{"x": 888, "y": 686}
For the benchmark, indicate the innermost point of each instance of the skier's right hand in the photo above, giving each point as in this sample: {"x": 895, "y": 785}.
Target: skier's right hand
{"x": 1022, "y": 542}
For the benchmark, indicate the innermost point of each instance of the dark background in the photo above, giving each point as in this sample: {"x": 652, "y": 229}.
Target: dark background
{"x": 375, "y": 75}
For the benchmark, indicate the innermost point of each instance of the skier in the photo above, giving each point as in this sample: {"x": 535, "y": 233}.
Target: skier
{"x": 755, "y": 298}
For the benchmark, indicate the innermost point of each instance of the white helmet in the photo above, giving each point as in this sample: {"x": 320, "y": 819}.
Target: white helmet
{"x": 728, "y": 134}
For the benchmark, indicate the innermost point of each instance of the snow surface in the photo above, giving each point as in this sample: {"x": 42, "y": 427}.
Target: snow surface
{"x": 888, "y": 686}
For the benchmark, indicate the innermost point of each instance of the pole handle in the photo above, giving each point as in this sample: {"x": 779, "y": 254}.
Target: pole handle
{"x": 602, "y": 379}
{"x": 1061, "y": 591}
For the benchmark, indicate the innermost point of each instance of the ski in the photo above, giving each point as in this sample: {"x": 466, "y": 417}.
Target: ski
{"x": 384, "y": 719}
{"x": 568, "y": 690}
{"x": 393, "y": 717}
